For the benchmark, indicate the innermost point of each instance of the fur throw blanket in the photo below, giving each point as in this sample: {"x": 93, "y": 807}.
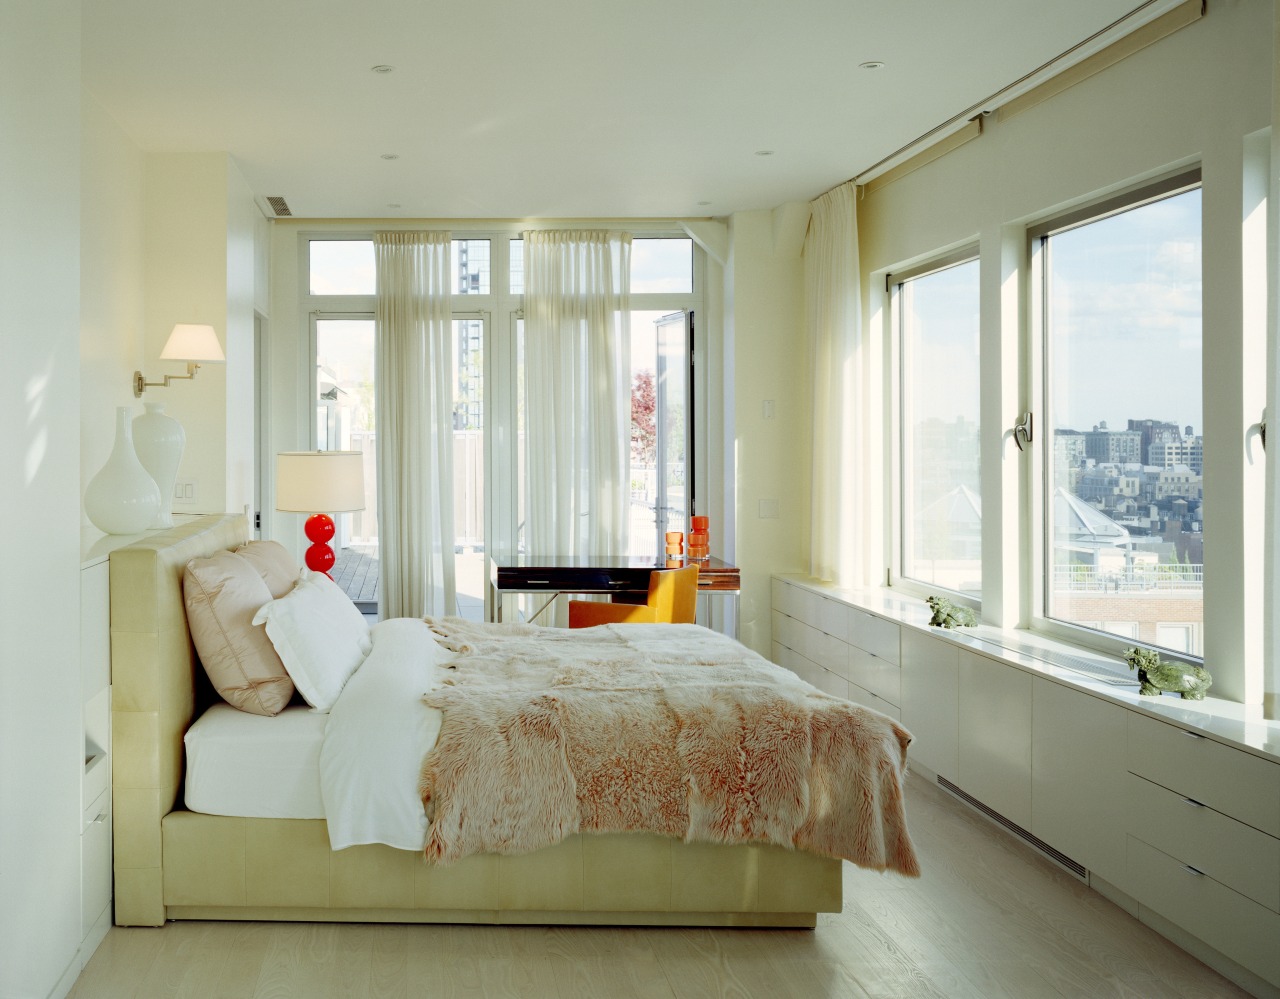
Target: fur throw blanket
{"x": 670, "y": 729}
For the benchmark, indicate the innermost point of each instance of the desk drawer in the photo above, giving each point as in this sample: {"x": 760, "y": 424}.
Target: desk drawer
{"x": 1230, "y": 852}
{"x": 1228, "y": 780}
{"x": 1238, "y": 927}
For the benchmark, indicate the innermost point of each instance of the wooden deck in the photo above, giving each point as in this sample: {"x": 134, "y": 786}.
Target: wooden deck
{"x": 356, "y": 571}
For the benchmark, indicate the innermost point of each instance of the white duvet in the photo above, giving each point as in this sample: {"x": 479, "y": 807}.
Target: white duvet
{"x": 377, "y": 735}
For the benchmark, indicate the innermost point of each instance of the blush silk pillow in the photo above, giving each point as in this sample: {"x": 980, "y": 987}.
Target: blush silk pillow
{"x": 319, "y": 635}
{"x": 274, "y": 564}
{"x": 222, "y": 594}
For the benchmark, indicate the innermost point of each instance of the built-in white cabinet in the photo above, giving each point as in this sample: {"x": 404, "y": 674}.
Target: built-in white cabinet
{"x": 1203, "y": 840}
{"x": 993, "y": 735}
{"x": 1185, "y": 825}
{"x": 1078, "y": 776}
{"x": 930, "y": 701}
{"x": 95, "y": 786}
{"x": 836, "y": 647}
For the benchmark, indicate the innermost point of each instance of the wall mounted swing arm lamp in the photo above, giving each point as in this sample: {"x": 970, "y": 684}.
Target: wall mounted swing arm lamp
{"x": 191, "y": 342}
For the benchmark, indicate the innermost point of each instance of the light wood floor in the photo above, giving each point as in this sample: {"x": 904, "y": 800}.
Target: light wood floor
{"x": 990, "y": 919}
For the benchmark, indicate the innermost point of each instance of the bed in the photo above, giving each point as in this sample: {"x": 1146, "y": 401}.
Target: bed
{"x": 172, "y": 862}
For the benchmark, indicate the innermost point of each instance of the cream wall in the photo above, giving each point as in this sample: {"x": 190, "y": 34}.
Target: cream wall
{"x": 1195, "y": 97}
{"x": 41, "y": 735}
{"x": 199, "y": 263}
{"x": 111, "y": 282}
{"x": 767, "y": 367}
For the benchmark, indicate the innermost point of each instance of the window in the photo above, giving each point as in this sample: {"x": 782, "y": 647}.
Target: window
{"x": 940, "y": 489}
{"x": 489, "y": 456}
{"x": 1124, "y": 459}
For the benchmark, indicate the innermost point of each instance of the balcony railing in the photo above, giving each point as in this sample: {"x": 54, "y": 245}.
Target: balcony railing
{"x": 1138, "y": 579}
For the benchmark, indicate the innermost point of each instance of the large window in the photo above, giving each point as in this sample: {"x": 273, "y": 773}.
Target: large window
{"x": 488, "y": 408}
{"x": 941, "y": 496}
{"x": 1124, "y": 450}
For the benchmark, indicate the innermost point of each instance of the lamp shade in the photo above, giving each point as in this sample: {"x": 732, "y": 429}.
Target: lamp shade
{"x": 192, "y": 342}
{"x": 320, "y": 481}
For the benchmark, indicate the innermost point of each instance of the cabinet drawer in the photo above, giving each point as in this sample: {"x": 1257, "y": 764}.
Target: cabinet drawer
{"x": 787, "y": 631}
{"x": 1241, "y": 929}
{"x": 1230, "y": 781}
{"x": 868, "y": 699}
{"x": 95, "y": 857}
{"x": 784, "y": 597}
{"x": 881, "y": 677}
{"x": 829, "y": 652}
{"x": 1230, "y": 852}
{"x": 874, "y": 634}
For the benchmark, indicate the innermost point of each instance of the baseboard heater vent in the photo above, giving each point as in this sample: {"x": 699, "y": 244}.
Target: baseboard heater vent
{"x": 1056, "y": 856}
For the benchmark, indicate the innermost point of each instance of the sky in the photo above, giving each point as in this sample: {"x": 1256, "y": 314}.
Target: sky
{"x": 1124, "y": 322}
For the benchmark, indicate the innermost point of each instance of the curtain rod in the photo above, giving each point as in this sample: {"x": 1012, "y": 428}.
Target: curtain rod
{"x": 986, "y": 106}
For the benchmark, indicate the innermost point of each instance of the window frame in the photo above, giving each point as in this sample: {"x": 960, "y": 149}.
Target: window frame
{"x": 1036, "y": 538}
{"x": 968, "y": 252}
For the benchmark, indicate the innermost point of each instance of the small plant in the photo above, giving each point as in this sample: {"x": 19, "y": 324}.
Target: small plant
{"x": 949, "y": 615}
{"x": 1156, "y": 676}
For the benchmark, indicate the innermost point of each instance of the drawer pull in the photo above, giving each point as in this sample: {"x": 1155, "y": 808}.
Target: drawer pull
{"x": 1191, "y": 870}
{"x": 1192, "y": 801}
{"x": 99, "y": 819}
{"x": 1192, "y": 735}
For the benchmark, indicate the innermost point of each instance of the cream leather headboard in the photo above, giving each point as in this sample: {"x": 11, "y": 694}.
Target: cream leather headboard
{"x": 153, "y": 679}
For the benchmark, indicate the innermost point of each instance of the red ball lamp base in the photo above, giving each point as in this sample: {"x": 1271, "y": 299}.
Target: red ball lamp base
{"x": 319, "y": 528}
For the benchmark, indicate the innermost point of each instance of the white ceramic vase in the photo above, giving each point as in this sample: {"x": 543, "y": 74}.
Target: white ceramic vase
{"x": 122, "y": 498}
{"x": 159, "y": 439}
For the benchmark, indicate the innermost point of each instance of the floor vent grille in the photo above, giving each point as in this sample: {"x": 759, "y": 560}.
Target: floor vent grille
{"x": 1055, "y": 855}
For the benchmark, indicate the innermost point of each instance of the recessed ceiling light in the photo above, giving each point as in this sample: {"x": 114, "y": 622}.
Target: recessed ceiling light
{"x": 390, "y": 156}
{"x": 382, "y": 68}
{"x": 764, "y": 152}
{"x": 871, "y": 64}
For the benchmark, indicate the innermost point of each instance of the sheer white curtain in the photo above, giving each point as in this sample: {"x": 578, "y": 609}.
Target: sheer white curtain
{"x": 414, "y": 419}
{"x": 833, "y": 299}
{"x": 577, "y": 355}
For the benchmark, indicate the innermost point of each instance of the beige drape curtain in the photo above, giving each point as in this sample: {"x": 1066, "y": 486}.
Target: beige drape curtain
{"x": 577, "y": 354}
{"x": 833, "y": 299}
{"x": 413, "y": 325}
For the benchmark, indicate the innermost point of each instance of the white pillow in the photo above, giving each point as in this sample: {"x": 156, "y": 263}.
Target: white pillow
{"x": 319, "y": 635}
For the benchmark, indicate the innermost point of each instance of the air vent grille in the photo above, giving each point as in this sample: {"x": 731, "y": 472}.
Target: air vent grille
{"x": 1057, "y": 856}
{"x": 278, "y": 205}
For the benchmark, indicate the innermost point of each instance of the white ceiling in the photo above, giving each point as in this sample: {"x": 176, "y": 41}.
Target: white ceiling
{"x": 557, "y": 108}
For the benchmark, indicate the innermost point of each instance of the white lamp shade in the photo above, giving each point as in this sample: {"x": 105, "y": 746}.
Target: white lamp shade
{"x": 192, "y": 342}
{"x": 319, "y": 481}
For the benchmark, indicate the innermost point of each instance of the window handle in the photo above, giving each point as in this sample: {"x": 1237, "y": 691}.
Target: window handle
{"x": 1022, "y": 431}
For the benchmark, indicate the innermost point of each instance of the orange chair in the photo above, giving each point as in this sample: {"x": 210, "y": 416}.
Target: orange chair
{"x": 673, "y": 597}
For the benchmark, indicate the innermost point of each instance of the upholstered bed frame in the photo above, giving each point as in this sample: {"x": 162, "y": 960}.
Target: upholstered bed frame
{"x": 174, "y": 864}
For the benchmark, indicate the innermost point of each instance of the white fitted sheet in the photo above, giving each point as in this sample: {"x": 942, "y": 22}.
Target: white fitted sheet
{"x": 255, "y": 766}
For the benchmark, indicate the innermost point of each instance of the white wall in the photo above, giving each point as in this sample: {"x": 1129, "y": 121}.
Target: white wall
{"x": 111, "y": 306}
{"x": 764, "y": 324}
{"x": 41, "y": 735}
{"x": 1194, "y": 97}
{"x": 199, "y": 258}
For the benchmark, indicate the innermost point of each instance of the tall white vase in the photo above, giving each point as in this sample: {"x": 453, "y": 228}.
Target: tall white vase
{"x": 159, "y": 439}
{"x": 122, "y": 498}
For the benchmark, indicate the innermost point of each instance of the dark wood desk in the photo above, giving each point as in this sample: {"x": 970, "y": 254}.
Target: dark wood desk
{"x": 557, "y": 574}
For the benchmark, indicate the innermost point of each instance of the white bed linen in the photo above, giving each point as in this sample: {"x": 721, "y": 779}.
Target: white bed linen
{"x": 378, "y": 733}
{"x": 254, "y": 765}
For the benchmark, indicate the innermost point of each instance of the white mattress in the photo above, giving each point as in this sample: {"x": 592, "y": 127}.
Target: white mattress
{"x": 251, "y": 765}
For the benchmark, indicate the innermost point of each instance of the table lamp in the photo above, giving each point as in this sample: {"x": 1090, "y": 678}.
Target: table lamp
{"x": 312, "y": 481}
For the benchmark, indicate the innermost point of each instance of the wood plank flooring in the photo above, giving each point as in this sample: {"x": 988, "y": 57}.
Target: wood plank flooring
{"x": 990, "y": 919}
